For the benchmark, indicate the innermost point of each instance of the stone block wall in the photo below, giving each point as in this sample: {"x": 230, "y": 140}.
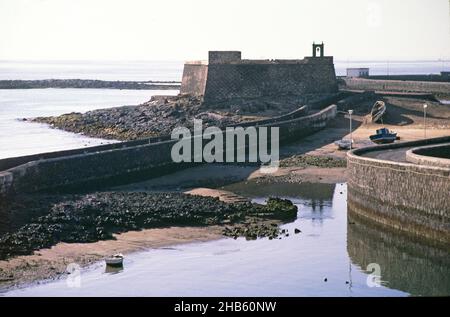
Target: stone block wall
{"x": 253, "y": 80}
{"x": 406, "y": 197}
{"x": 226, "y": 76}
{"x": 122, "y": 162}
{"x": 194, "y": 79}
{"x": 433, "y": 155}
{"x": 397, "y": 85}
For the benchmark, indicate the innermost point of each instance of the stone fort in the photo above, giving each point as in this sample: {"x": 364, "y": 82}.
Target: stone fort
{"x": 226, "y": 76}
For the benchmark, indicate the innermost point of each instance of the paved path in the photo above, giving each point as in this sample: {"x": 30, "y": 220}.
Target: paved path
{"x": 396, "y": 155}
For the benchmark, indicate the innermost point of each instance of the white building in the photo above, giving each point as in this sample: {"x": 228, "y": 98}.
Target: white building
{"x": 357, "y": 72}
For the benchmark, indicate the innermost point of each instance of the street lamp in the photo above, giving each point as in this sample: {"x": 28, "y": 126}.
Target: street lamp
{"x": 351, "y": 138}
{"x": 425, "y": 120}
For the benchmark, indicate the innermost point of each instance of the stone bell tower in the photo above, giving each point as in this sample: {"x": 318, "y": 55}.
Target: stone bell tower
{"x": 317, "y": 50}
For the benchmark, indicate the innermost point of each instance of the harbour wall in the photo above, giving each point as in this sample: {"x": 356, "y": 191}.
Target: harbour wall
{"x": 407, "y": 197}
{"x": 126, "y": 161}
{"x": 432, "y": 155}
{"x": 396, "y": 85}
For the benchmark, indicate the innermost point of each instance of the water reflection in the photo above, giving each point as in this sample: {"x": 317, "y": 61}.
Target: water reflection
{"x": 113, "y": 269}
{"x": 407, "y": 265}
{"x": 318, "y": 194}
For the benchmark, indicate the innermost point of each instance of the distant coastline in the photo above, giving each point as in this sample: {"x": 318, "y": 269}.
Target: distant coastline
{"x": 89, "y": 83}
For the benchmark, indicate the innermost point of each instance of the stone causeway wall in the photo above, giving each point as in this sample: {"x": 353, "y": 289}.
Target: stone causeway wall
{"x": 397, "y": 85}
{"x": 126, "y": 161}
{"x": 407, "y": 197}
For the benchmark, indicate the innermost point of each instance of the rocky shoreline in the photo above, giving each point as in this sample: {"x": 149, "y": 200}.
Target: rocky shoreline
{"x": 97, "y": 216}
{"x": 160, "y": 115}
{"x": 88, "y": 83}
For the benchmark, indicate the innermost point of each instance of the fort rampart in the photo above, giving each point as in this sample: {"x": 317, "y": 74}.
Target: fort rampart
{"x": 226, "y": 76}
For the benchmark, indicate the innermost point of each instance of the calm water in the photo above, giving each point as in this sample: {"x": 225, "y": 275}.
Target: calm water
{"x": 293, "y": 266}
{"x": 132, "y": 70}
{"x": 22, "y": 138}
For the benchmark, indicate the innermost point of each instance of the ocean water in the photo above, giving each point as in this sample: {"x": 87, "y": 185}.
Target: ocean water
{"x": 18, "y": 137}
{"x": 131, "y": 70}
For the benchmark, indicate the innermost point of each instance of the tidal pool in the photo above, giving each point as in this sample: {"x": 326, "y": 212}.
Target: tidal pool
{"x": 314, "y": 262}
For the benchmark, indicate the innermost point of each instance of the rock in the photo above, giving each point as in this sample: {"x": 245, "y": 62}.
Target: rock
{"x": 296, "y": 231}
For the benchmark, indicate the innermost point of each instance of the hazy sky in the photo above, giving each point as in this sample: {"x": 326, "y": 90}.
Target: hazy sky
{"x": 187, "y": 29}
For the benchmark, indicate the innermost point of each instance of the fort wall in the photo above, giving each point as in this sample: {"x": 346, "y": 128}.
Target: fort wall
{"x": 226, "y": 76}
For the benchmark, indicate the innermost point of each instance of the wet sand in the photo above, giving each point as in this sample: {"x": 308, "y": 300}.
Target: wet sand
{"x": 50, "y": 263}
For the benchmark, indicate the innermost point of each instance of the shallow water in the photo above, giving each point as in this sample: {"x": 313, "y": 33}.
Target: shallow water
{"x": 19, "y": 137}
{"x": 293, "y": 266}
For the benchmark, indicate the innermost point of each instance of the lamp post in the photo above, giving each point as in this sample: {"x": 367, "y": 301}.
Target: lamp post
{"x": 425, "y": 120}
{"x": 351, "y": 137}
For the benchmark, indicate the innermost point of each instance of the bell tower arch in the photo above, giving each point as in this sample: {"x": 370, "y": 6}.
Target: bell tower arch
{"x": 318, "y": 50}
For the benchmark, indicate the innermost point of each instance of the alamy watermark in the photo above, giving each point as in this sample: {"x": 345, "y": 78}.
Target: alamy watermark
{"x": 234, "y": 144}
{"x": 374, "y": 278}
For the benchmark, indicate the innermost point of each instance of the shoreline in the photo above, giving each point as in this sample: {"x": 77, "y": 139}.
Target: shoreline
{"x": 89, "y": 83}
{"x": 50, "y": 264}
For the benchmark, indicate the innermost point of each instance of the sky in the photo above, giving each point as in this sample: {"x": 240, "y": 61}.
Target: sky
{"x": 187, "y": 29}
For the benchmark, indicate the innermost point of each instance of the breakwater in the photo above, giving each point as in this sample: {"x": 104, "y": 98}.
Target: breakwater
{"x": 396, "y": 85}
{"x": 88, "y": 83}
{"x": 126, "y": 161}
{"x": 405, "y": 196}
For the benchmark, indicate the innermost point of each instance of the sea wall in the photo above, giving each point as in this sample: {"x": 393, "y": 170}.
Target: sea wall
{"x": 396, "y": 85}
{"x": 406, "y": 197}
{"x": 432, "y": 155}
{"x": 122, "y": 162}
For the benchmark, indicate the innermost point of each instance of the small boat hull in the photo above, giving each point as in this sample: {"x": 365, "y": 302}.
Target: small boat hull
{"x": 343, "y": 144}
{"x": 384, "y": 140}
{"x": 378, "y": 110}
{"x": 114, "y": 261}
{"x": 383, "y": 136}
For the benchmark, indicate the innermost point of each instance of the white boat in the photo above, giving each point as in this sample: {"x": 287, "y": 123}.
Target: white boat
{"x": 378, "y": 110}
{"x": 115, "y": 260}
{"x": 343, "y": 144}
